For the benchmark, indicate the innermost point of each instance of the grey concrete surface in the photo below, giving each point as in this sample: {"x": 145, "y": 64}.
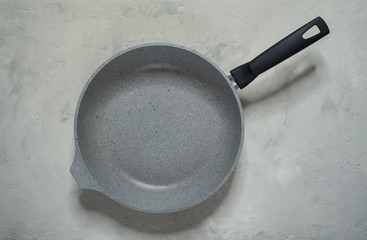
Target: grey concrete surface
{"x": 302, "y": 173}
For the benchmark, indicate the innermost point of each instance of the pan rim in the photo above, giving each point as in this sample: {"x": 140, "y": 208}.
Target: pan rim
{"x": 207, "y": 194}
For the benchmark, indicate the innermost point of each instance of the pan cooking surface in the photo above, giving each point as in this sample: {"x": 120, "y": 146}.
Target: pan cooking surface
{"x": 159, "y": 128}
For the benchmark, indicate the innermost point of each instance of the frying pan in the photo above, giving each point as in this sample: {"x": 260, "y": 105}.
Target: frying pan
{"x": 159, "y": 127}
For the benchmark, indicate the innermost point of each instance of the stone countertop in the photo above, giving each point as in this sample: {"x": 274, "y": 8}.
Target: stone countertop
{"x": 303, "y": 168}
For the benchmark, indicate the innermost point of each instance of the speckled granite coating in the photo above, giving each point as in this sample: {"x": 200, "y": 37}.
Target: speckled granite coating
{"x": 159, "y": 129}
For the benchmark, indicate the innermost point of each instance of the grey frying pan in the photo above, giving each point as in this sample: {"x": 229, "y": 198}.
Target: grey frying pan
{"x": 159, "y": 127}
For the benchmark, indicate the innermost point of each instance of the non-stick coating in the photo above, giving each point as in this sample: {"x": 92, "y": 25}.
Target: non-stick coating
{"x": 160, "y": 128}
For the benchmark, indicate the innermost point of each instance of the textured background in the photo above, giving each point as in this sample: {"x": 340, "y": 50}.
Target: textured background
{"x": 303, "y": 168}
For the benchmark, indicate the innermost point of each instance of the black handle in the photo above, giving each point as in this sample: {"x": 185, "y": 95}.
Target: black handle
{"x": 282, "y": 50}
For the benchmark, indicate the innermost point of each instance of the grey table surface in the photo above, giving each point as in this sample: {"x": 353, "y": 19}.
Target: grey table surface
{"x": 303, "y": 168}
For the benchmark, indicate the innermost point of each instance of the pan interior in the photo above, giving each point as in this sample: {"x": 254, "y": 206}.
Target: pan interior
{"x": 159, "y": 128}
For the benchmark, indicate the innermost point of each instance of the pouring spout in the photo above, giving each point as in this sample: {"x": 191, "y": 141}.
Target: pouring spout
{"x": 81, "y": 173}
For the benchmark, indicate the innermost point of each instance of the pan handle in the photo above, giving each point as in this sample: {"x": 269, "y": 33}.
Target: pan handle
{"x": 285, "y": 48}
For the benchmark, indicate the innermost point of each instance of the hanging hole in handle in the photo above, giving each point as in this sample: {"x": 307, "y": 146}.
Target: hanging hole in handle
{"x": 313, "y": 31}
